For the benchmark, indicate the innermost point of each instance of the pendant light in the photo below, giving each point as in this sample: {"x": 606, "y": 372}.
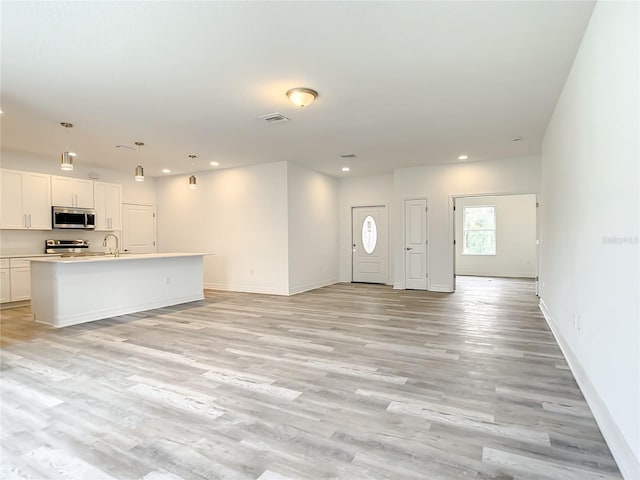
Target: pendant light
{"x": 139, "y": 173}
{"x": 192, "y": 179}
{"x": 66, "y": 159}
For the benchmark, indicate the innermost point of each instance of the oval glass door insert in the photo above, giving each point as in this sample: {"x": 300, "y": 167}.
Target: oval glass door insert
{"x": 369, "y": 234}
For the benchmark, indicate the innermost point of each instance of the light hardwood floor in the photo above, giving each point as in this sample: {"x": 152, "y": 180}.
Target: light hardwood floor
{"x": 348, "y": 381}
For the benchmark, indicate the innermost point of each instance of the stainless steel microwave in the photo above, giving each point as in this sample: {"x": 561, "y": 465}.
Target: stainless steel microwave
{"x": 79, "y": 218}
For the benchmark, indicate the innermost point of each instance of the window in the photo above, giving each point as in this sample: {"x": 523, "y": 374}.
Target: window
{"x": 369, "y": 234}
{"x": 479, "y": 231}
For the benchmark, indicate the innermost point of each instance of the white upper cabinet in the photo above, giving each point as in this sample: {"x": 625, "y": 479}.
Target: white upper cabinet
{"x": 25, "y": 200}
{"x": 108, "y": 205}
{"x": 71, "y": 192}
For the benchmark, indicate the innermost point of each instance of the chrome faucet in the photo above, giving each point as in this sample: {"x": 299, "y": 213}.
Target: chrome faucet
{"x": 104, "y": 243}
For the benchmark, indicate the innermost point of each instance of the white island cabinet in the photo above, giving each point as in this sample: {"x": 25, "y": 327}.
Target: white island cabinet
{"x": 68, "y": 291}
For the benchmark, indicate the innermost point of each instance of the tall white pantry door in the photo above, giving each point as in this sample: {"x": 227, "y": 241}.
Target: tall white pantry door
{"x": 370, "y": 251}
{"x": 138, "y": 228}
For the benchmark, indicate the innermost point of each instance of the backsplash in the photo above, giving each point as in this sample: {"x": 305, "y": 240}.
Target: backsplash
{"x": 17, "y": 242}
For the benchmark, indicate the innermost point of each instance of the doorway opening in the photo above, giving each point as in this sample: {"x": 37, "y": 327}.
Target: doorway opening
{"x": 495, "y": 236}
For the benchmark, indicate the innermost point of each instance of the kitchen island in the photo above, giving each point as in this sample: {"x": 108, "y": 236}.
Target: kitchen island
{"x": 68, "y": 291}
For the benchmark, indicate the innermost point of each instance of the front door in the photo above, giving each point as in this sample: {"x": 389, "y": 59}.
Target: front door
{"x": 370, "y": 245}
{"x": 415, "y": 247}
{"x": 138, "y": 228}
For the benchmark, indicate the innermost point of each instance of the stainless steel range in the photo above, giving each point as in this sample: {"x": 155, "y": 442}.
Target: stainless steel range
{"x": 67, "y": 247}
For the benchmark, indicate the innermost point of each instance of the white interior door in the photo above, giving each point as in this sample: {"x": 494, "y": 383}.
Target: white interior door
{"x": 537, "y": 245}
{"x": 415, "y": 248}
{"x": 370, "y": 245}
{"x": 138, "y": 228}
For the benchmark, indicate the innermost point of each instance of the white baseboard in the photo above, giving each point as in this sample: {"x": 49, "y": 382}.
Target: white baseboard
{"x": 627, "y": 461}
{"x": 268, "y": 290}
{"x": 484, "y": 273}
{"x": 246, "y": 288}
{"x": 398, "y": 286}
{"x": 311, "y": 286}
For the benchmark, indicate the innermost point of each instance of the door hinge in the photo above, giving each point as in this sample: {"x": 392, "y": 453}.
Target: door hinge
{"x": 154, "y": 243}
{"x": 154, "y": 214}
{"x": 454, "y": 242}
{"x": 454, "y": 208}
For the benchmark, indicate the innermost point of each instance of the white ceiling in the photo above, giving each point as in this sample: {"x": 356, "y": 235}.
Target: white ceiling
{"x": 400, "y": 84}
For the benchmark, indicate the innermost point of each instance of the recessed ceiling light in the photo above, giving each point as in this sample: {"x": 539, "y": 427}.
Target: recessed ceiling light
{"x": 214, "y": 164}
{"x": 166, "y": 170}
{"x": 348, "y": 155}
{"x": 463, "y": 157}
{"x": 345, "y": 169}
{"x": 516, "y": 139}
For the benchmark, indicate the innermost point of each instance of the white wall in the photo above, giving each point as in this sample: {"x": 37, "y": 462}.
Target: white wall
{"x": 313, "y": 228}
{"x": 589, "y": 223}
{"x": 358, "y": 192}
{"x": 515, "y": 237}
{"x": 238, "y": 214}
{"x": 438, "y": 183}
{"x": 32, "y": 241}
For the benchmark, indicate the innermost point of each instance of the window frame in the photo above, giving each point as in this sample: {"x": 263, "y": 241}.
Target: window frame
{"x": 494, "y": 230}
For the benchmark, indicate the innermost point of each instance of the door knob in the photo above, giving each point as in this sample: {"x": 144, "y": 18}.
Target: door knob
{"x": 409, "y": 248}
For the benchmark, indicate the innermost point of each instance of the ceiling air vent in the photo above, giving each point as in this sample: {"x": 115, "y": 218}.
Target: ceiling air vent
{"x": 274, "y": 118}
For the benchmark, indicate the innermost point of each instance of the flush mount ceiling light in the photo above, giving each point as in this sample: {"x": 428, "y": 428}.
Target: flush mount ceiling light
{"x": 345, "y": 169}
{"x": 66, "y": 159}
{"x": 214, "y": 164}
{"x": 139, "y": 172}
{"x": 302, "y": 97}
{"x": 166, "y": 170}
{"x": 463, "y": 157}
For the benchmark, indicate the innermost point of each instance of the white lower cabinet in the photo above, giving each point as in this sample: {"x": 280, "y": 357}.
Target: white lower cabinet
{"x": 5, "y": 285}
{"x": 15, "y": 279}
{"x": 20, "y": 284}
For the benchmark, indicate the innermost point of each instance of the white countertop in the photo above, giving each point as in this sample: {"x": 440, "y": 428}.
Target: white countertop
{"x": 123, "y": 257}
